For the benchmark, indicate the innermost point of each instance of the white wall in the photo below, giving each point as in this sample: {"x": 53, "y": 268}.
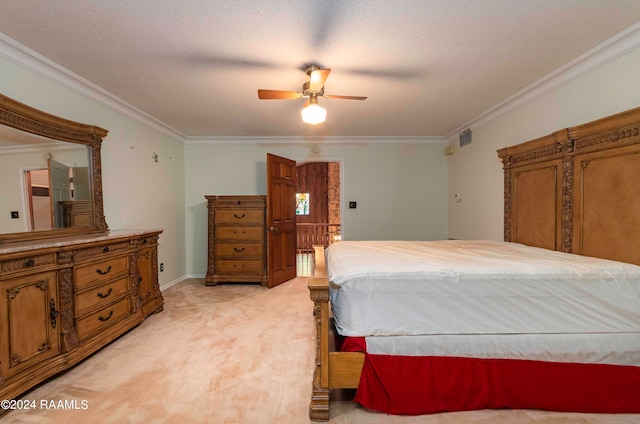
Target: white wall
{"x": 475, "y": 170}
{"x": 138, "y": 192}
{"x": 400, "y": 189}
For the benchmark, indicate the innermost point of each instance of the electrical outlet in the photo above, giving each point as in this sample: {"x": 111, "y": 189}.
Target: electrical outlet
{"x": 457, "y": 197}
{"x": 352, "y": 205}
{"x": 162, "y": 267}
{"x": 15, "y": 215}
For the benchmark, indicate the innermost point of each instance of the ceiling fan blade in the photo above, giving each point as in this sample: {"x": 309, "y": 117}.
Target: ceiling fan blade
{"x": 317, "y": 79}
{"x": 333, "y": 96}
{"x": 278, "y": 95}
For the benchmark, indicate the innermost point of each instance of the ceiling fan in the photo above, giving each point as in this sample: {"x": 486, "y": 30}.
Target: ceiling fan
{"x": 312, "y": 113}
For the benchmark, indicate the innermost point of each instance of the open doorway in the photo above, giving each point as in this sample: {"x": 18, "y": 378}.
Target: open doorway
{"x": 39, "y": 199}
{"x": 48, "y": 191}
{"x": 317, "y": 210}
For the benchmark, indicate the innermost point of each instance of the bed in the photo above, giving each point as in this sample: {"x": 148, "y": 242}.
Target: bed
{"x": 547, "y": 319}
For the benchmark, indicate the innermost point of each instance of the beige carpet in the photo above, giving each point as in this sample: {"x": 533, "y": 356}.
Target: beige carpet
{"x": 225, "y": 354}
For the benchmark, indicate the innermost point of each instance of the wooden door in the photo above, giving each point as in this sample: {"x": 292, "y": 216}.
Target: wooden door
{"x": 281, "y": 219}
{"x": 59, "y": 190}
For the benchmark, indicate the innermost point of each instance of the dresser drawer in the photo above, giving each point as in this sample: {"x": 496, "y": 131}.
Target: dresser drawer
{"x": 232, "y": 266}
{"x": 28, "y": 262}
{"x": 101, "y": 295}
{"x": 97, "y": 252}
{"x": 240, "y": 233}
{"x": 239, "y": 250}
{"x": 87, "y": 275}
{"x": 240, "y": 216}
{"x": 103, "y": 318}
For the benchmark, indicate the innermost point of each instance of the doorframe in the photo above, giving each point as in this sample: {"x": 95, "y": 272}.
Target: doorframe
{"x": 26, "y": 195}
{"x": 340, "y": 160}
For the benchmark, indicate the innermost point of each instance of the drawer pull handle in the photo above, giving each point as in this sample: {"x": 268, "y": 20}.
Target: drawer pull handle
{"x": 239, "y": 217}
{"x": 105, "y": 249}
{"x": 239, "y": 250}
{"x": 101, "y": 272}
{"x": 103, "y": 296}
{"x": 107, "y": 318}
{"x": 53, "y": 313}
{"x": 29, "y": 263}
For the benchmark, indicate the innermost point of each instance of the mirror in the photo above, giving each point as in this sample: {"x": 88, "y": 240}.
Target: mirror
{"x": 51, "y": 175}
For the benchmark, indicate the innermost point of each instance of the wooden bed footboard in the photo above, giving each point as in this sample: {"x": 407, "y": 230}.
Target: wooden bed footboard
{"x": 333, "y": 370}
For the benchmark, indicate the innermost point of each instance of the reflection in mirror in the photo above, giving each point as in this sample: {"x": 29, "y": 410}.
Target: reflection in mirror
{"x": 51, "y": 175}
{"x": 45, "y": 183}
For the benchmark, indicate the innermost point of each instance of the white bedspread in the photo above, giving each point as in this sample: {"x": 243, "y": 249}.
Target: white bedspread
{"x": 477, "y": 287}
{"x": 584, "y": 348}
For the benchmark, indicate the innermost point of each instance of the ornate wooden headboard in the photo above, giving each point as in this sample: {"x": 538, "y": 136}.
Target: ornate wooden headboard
{"x": 577, "y": 190}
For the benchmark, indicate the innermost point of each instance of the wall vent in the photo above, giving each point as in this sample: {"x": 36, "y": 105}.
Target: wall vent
{"x": 465, "y": 137}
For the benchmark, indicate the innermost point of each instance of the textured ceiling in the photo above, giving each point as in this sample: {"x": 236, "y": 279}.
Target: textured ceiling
{"x": 427, "y": 66}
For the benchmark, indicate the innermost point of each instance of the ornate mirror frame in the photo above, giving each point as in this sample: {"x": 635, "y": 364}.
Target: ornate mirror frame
{"x": 20, "y": 116}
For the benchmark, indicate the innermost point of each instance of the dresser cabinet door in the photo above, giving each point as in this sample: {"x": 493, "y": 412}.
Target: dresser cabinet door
{"x": 148, "y": 289}
{"x": 30, "y": 332}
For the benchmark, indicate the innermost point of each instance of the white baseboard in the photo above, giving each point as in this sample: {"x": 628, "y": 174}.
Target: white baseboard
{"x": 180, "y": 279}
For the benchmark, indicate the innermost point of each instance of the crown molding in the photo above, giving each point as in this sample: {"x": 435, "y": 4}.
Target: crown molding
{"x": 613, "y": 48}
{"x": 323, "y": 140}
{"x": 32, "y": 61}
{"x": 39, "y": 148}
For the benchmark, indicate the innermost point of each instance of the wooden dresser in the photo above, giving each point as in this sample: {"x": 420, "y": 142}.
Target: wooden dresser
{"x": 64, "y": 298}
{"x": 75, "y": 213}
{"x": 237, "y": 239}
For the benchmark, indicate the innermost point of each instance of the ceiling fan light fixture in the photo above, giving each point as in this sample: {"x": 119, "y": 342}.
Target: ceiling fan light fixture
{"x": 314, "y": 114}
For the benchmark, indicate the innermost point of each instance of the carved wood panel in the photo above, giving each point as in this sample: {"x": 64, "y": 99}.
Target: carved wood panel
{"x": 607, "y": 216}
{"x": 597, "y": 169}
{"x": 536, "y": 198}
{"x": 29, "y": 332}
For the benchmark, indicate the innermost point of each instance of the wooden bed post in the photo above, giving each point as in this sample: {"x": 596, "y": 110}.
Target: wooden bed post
{"x": 334, "y": 370}
{"x": 319, "y": 292}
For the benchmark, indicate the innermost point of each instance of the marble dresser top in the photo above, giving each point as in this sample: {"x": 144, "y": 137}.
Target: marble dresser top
{"x": 22, "y": 246}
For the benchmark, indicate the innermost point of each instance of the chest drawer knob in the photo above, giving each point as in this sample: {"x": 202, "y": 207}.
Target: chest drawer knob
{"x": 29, "y": 263}
{"x": 239, "y": 250}
{"x": 105, "y": 249}
{"x": 239, "y": 216}
{"x": 101, "y": 272}
{"x": 103, "y": 295}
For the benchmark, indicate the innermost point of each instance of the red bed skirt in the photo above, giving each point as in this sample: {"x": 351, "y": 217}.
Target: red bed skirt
{"x": 409, "y": 385}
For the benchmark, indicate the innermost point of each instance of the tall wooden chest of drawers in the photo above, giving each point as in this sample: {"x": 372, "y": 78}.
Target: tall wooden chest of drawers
{"x": 237, "y": 249}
